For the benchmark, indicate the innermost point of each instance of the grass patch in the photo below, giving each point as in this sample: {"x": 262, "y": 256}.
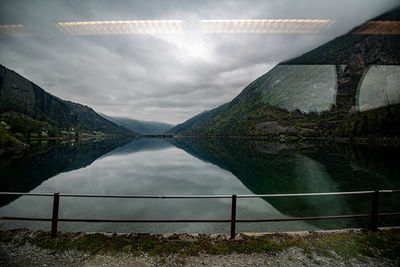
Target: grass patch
{"x": 353, "y": 245}
{"x": 151, "y": 244}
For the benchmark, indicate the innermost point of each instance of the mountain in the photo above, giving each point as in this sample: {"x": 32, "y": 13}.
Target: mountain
{"x": 26, "y": 111}
{"x": 198, "y": 121}
{"x": 143, "y": 127}
{"x": 320, "y": 93}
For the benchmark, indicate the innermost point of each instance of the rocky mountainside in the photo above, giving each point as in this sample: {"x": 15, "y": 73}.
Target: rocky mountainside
{"x": 316, "y": 93}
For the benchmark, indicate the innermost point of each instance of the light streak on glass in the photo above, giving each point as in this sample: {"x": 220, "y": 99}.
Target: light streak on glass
{"x": 265, "y": 25}
{"x": 122, "y": 27}
{"x": 14, "y": 30}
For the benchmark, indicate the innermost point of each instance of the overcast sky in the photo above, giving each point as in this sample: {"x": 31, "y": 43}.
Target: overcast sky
{"x": 167, "y": 78}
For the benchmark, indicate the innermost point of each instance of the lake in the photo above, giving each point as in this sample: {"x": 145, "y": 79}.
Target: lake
{"x": 192, "y": 167}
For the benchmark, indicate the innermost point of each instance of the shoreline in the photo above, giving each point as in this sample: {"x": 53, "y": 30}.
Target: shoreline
{"x": 345, "y": 140}
{"x": 327, "y": 248}
{"x": 292, "y": 139}
{"x": 212, "y": 236}
{"x": 22, "y": 146}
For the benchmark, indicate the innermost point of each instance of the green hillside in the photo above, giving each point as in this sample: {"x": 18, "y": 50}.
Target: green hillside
{"x": 194, "y": 124}
{"x": 316, "y": 94}
{"x": 21, "y": 95}
{"x": 27, "y": 111}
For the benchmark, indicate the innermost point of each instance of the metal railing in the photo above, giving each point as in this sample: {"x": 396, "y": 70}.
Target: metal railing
{"x": 56, "y": 203}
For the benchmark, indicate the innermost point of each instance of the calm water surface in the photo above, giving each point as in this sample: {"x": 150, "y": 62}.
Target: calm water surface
{"x": 179, "y": 166}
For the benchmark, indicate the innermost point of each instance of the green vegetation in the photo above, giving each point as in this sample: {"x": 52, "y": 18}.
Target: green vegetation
{"x": 304, "y": 87}
{"x": 381, "y": 245}
{"x": 89, "y": 120}
{"x": 7, "y": 140}
{"x": 300, "y": 94}
{"x": 384, "y": 121}
{"x": 17, "y": 128}
{"x": 28, "y": 112}
{"x": 241, "y": 117}
{"x": 152, "y": 244}
{"x": 384, "y": 244}
{"x": 23, "y": 127}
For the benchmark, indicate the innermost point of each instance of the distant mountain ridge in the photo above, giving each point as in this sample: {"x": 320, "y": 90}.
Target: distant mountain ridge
{"x": 142, "y": 127}
{"x": 197, "y": 122}
{"x": 292, "y": 92}
{"x": 21, "y": 98}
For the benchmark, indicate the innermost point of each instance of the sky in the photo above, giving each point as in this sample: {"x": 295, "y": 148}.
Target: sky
{"x": 162, "y": 77}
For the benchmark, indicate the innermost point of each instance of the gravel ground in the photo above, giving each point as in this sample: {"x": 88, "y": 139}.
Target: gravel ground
{"x": 17, "y": 253}
{"x": 289, "y": 257}
{"x": 12, "y": 254}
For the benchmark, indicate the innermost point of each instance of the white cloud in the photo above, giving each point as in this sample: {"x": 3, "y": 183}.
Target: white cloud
{"x": 166, "y": 77}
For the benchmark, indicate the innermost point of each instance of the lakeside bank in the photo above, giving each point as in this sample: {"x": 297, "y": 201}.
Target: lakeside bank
{"x": 328, "y": 248}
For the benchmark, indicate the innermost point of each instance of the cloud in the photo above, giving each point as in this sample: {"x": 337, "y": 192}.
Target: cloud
{"x": 161, "y": 77}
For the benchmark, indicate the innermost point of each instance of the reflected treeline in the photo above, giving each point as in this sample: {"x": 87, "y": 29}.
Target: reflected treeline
{"x": 24, "y": 171}
{"x": 261, "y": 166}
{"x": 307, "y": 167}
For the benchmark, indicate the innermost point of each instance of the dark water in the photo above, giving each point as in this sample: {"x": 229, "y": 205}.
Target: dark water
{"x": 184, "y": 166}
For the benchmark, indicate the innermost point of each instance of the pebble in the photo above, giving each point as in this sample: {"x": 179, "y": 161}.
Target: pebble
{"x": 12, "y": 254}
{"x": 27, "y": 254}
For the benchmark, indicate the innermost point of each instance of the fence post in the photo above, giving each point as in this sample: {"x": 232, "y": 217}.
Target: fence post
{"x": 54, "y": 220}
{"x": 375, "y": 211}
{"x": 233, "y": 218}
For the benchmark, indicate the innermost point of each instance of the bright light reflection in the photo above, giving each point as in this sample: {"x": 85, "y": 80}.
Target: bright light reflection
{"x": 122, "y": 27}
{"x": 265, "y": 25}
{"x": 208, "y": 26}
{"x": 14, "y": 30}
{"x": 205, "y": 26}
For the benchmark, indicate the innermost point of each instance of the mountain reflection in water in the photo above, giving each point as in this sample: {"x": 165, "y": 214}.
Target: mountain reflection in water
{"x": 209, "y": 166}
